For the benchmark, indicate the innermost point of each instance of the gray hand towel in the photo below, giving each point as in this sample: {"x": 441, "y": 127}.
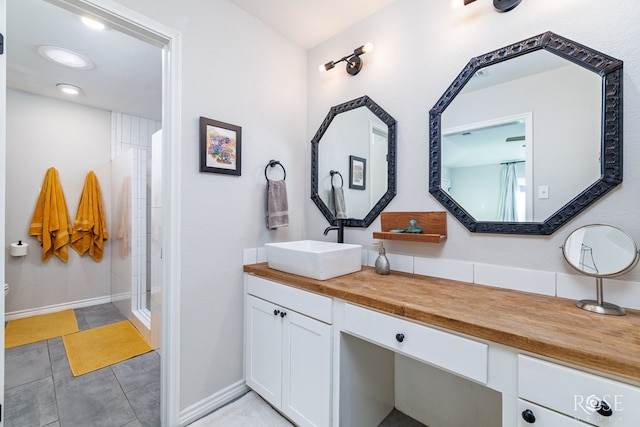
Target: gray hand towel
{"x": 338, "y": 203}
{"x": 277, "y": 214}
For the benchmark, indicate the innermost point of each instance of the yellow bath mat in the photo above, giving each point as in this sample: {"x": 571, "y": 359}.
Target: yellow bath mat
{"x": 39, "y": 328}
{"x": 96, "y": 348}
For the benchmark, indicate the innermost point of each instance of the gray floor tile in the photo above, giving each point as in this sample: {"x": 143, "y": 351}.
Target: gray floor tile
{"x": 96, "y": 402}
{"x": 398, "y": 419}
{"x": 26, "y": 364}
{"x": 37, "y": 376}
{"x": 56, "y": 348}
{"x": 138, "y": 371}
{"x": 32, "y": 404}
{"x": 62, "y": 374}
{"x": 100, "y": 315}
{"x": 145, "y": 402}
{"x": 83, "y": 325}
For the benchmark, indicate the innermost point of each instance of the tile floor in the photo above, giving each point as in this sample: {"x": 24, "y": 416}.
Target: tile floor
{"x": 41, "y": 391}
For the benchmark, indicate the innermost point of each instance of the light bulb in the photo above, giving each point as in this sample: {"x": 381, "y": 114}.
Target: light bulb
{"x": 92, "y": 23}
{"x": 69, "y": 89}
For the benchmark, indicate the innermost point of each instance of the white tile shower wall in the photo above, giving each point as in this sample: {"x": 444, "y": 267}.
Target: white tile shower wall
{"x": 135, "y": 132}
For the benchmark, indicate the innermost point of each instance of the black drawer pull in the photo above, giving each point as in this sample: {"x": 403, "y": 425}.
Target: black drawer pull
{"x": 604, "y": 409}
{"x": 399, "y": 337}
{"x": 528, "y": 416}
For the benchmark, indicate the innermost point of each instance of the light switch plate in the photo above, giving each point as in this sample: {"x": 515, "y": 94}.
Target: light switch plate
{"x": 543, "y": 192}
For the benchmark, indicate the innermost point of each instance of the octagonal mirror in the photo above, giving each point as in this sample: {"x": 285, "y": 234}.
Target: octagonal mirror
{"x": 353, "y": 154}
{"x": 528, "y": 136}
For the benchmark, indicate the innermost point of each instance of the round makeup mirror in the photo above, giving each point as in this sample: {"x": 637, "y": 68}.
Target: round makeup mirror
{"x": 599, "y": 251}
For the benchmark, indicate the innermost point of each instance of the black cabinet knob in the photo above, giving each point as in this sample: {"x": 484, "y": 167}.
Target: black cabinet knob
{"x": 399, "y": 337}
{"x": 528, "y": 416}
{"x": 604, "y": 409}
{"x": 283, "y": 313}
{"x": 276, "y": 312}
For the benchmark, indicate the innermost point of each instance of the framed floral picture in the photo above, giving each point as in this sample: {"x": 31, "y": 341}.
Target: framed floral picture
{"x": 357, "y": 173}
{"x": 220, "y": 147}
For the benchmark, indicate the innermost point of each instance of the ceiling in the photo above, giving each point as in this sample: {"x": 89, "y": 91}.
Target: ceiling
{"x": 128, "y": 74}
{"x": 310, "y": 22}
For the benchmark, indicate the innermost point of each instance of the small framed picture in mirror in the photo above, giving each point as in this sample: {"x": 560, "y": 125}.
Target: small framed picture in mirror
{"x": 357, "y": 173}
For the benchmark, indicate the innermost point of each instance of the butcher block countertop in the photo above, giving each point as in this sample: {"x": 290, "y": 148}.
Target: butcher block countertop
{"x": 548, "y": 326}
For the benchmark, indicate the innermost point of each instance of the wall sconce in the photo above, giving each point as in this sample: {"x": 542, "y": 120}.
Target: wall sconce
{"x": 499, "y": 5}
{"x": 354, "y": 63}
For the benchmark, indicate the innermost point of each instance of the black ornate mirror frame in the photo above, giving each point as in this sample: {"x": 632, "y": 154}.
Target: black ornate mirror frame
{"x": 367, "y": 102}
{"x": 611, "y": 134}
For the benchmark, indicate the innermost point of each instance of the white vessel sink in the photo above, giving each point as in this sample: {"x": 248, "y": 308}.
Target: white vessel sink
{"x": 314, "y": 259}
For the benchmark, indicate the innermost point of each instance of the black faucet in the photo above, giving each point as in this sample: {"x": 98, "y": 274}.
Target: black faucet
{"x": 339, "y": 227}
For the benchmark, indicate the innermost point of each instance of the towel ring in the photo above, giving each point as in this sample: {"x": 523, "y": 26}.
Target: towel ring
{"x": 273, "y": 163}
{"x": 332, "y": 173}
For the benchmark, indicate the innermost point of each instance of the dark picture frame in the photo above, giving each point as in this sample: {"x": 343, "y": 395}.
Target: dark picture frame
{"x": 357, "y": 173}
{"x": 220, "y": 147}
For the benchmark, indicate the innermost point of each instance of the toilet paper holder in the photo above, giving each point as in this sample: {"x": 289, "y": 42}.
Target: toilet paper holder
{"x": 19, "y": 248}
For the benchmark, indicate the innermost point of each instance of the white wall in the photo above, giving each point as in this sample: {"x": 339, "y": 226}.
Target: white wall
{"x": 41, "y": 133}
{"x": 420, "y": 47}
{"x": 236, "y": 70}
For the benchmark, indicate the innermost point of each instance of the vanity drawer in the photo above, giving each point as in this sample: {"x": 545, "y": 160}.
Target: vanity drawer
{"x": 312, "y": 305}
{"x": 543, "y": 417}
{"x": 577, "y": 394}
{"x": 444, "y": 350}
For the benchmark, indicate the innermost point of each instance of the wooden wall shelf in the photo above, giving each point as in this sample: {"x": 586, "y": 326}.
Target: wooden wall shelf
{"x": 433, "y": 224}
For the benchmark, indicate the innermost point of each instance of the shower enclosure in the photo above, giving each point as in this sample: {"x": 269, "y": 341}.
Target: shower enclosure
{"x": 136, "y": 220}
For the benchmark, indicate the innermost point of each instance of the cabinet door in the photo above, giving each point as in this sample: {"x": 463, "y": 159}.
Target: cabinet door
{"x": 306, "y": 387}
{"x": 263, "y": 352}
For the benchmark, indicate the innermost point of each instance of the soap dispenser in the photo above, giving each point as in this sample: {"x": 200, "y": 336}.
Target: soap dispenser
{"x": 382, "y": 263}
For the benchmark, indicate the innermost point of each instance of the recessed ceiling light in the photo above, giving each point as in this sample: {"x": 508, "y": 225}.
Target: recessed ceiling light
{"x": 69, "y": 89}
{"x": 65, "y": 57}
{"x": 92, "y": 23}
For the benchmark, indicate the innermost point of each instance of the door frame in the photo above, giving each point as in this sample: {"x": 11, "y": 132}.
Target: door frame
{"x": 170, "y": 41}
{"x": 3, "y": 181}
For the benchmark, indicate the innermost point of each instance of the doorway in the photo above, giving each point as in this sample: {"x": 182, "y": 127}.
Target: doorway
{"x": 169, "y": 41}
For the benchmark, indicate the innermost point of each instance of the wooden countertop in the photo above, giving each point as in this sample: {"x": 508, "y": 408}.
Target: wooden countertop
{"x": 548, "y": 326}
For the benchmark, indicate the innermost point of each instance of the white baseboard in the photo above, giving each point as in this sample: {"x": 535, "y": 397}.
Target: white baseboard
{"x": 57, "y": 307}
{"x": 213, "y": 402}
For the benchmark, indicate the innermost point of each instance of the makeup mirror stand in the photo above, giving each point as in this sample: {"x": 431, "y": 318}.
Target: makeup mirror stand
{"x": 598, "y": 305}
{"x": 599, "y": 251}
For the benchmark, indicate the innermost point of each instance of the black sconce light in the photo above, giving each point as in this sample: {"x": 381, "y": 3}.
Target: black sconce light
{"x": 499, "y": 5}
{"x": 354, "y": 63}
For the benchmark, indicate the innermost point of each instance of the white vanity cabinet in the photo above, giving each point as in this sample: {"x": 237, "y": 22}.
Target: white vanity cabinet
{"x": 288, "y": 354}
{"x": 578, "y": 395}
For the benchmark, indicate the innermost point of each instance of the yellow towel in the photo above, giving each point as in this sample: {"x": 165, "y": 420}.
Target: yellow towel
{"x": 50, "y": 222}
{"x": 90, "y": 227}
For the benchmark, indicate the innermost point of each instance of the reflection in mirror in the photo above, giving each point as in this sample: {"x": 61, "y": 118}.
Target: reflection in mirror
{"x": 477, "y": 161}
{"x": 353, "y": 163}
{"x": 517, "y": 140}
{"x": 600, "y": 251}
